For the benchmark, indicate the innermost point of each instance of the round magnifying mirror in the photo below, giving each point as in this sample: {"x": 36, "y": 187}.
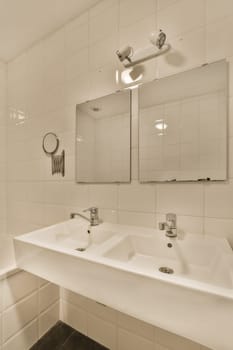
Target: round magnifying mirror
{"x": 50, "y": 143}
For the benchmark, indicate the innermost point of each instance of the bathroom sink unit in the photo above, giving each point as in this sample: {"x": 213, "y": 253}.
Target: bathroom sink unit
{"x": 182, "y": 284}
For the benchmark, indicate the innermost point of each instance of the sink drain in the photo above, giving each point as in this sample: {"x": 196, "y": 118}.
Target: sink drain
{"x": 165, "y": 269}
{"x": 80, "y": 249}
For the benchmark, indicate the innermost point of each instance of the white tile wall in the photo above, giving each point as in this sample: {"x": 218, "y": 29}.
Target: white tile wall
{"x": 59, "y": 63}
{"x": 46, "y": 82}
{"x": 29, "y": 306}
{"x": 3, "y": 155}
{"x": 115, "y": 330}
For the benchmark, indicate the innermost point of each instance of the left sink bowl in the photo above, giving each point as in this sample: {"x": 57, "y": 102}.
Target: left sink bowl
{"x": 72, "y": 234}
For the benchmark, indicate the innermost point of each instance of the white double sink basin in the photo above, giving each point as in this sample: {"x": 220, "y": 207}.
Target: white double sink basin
{"x": 184, "y": 284}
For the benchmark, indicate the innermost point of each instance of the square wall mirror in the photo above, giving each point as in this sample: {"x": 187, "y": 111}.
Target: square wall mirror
{"x": 103, "y": 139}
{"x": 183, "y": 126}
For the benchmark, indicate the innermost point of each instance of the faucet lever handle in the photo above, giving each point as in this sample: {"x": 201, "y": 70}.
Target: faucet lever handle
{"x": 162, "y": 226}
{"x": 93, "y": 210}
{"x": 171, "y": 220}
{"x": 171, "y": 217}
{"x": 94, "y": 215}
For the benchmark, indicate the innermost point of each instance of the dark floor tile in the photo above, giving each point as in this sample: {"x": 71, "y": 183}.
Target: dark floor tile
{"x": 63, "y": 332}
{"x": 97, "y": 346}
{"x": 78, "y": 341}
{"x": 63, "y": 337}
{"x": 34, "y": 347}
{"x": 54, "y": 338}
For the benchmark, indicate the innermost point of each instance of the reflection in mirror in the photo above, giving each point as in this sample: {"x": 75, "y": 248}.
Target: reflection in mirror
{"x": 182, "y": 126}
{"x": 103, "y": 139}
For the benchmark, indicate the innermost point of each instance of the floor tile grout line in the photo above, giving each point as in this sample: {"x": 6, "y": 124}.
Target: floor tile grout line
{"x": 69, "y": 337}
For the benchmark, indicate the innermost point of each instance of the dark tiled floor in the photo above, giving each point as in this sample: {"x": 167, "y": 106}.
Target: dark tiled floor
{"x": 63, "y": 337}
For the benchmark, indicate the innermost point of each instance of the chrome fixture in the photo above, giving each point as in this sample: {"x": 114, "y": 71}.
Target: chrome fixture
{"x": 130, "y": 58}
{"x": 165, "y": 269}
{"x": 125, "y": 53}
{"x": 169, "y": 225}
{"x": 50, "y": 146}
{"x": 94, "y": 216}
{"x": 160, "y": 40}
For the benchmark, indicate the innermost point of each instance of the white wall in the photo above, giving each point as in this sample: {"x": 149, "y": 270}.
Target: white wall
{"x": 116, "y": 330}
{"x": 29, "y": 306}
{"x": 78, "y": 63}
{"x": 3, "y": 192}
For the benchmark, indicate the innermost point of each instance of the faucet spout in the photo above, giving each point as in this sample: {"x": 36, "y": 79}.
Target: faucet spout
{"x": 94, "y": 216}
{"x": 72, "y": 216}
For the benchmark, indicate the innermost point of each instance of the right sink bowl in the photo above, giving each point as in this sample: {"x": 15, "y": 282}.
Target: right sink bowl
{"x": 192, "y": 258}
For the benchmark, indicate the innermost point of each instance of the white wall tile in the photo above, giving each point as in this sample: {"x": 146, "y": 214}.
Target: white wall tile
{"x": 76, "y": 34}
{"x": 48, "y": 294}
{"x": 219, "y": 228}
{"x": 132, "y": 11}
{"x": 216, "y": 9}
{"x": 174, "y": 342}
{"x": 102, "y": 53}
{"x": 1, "y": 330}
{"x": 108, "y": 215}
{"x": 102, "y": 331}
{"x": 101, "y": 7}
{"x": 182, "y": 16}
{"x": 188, "y": 51}
{"x": 16, "y": 317}
{"x": 103, "y": 81}
{"x": 219, "y": 32}
{"x": 164, "y": 3}
{"x": 101, "y": 25}
{"x": 75, "y": 299}
{"x": 48, "y": 318}
{"x": 17, "y": 287}
{"x": 127, "y": 340}
{"x": 135, "y": 326}
{"x": 160, "y": 347}
{"x": 75, "y": 317}
{"x": 103, "y": 196}
{"x": 219, "y": 200}
{"x": 136, "y": 218}
{"x": 1, "y": 296}
{"x": 23, "y": 339}
{"x": 53, "y": 47}
{"x": 77, "y": 90}
{"x": 182, "y": 199}
{"x": 54, "y": 214}
{"x": 137, "y": 197}
{"x": 76, "y": 64}
{"x": 101, "y": 311}
{"x": 186, "y": 224}
{"x": 137, "y": 34}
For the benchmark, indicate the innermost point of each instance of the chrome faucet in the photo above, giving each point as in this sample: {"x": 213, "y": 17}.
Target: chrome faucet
{"x": 94, "y": 216}
{"x": 169, "y": 225}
